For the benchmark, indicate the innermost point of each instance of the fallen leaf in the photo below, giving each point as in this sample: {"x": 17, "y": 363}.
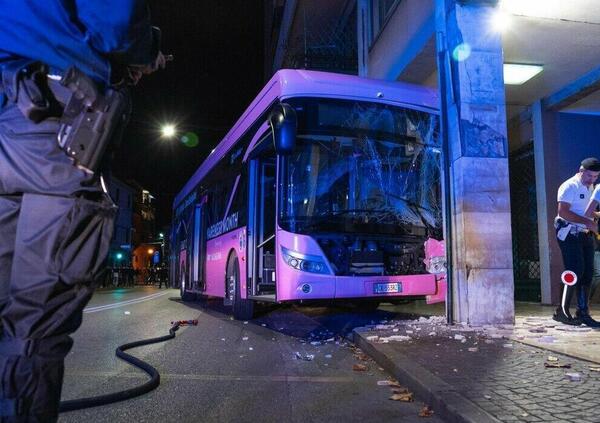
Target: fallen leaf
{"x": 552, "y": 358}
{"x": 405, "y": 397}
{"x": 395, "y": 385}
{"x": 400, "y": 391}
{"x": 426, "y": 411}
{"x": 359, "y": 368}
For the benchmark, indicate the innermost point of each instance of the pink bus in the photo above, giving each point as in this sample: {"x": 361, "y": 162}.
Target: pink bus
{"x": 326, "y": 188}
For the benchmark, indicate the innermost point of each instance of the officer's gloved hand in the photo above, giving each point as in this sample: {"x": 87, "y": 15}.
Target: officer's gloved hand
{"x": 135, "y": 72}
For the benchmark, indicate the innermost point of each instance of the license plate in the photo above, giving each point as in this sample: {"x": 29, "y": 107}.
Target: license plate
{"x": 387, "y": 288}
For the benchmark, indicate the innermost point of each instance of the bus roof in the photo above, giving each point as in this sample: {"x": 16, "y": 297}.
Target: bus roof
{"x": 288, "y": 83}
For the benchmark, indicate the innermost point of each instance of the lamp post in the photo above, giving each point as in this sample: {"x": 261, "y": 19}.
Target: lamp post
{"x": 161, "y": 236}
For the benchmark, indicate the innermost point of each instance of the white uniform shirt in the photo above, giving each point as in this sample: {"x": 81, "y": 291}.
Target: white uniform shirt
{"x": 572, "y": 191}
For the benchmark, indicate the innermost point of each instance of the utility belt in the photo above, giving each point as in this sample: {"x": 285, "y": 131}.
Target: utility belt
{"x": 564, "y": 228}
{"x": 88, "y": 117}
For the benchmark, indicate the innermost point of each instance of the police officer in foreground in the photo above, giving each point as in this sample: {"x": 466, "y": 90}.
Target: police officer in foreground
{"x": 575, "y": 235}
{"x": 64, "y": 69}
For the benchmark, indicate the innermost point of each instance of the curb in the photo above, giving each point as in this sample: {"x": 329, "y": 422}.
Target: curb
{"x": 441, "y": 396}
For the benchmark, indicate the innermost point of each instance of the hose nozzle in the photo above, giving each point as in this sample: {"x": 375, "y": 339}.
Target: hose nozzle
{"x": 185, "y": 322}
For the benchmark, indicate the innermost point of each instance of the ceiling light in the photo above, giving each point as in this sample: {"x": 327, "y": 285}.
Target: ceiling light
{"x": 517, "y": 74}
{"x": 536, "y": 8}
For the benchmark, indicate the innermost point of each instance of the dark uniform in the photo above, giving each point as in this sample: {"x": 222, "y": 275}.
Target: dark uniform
{"x": 576, "y": 244}
{"x": 55, "y": 219}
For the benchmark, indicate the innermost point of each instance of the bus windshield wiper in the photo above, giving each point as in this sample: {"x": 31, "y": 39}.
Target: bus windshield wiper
{"x": 414, "y": 207}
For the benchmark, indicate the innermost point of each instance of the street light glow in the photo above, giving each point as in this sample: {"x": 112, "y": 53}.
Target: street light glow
{"x": 168, "y": 130}
{"x": 150, "y": 251}
{"x": 500, "y": 21}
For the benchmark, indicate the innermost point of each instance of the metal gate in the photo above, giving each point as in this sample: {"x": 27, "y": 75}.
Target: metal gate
{"x": 325, "y": 42}
{"x": 526, "y": 259}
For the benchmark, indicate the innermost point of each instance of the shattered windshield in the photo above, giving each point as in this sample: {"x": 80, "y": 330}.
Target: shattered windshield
{"x": 363, "y": 167}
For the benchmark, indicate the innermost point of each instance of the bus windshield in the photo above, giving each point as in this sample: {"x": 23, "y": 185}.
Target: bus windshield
{"x": 362, "y": 167}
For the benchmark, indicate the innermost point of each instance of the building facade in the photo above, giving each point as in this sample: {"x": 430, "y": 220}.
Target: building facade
{"x": 121, "y": 245}
{"x": 520, "y": 104}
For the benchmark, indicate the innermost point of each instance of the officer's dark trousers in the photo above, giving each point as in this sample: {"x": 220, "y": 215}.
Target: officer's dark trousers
{"x": 578, "y": 256}
{"x": 55, "y": 228}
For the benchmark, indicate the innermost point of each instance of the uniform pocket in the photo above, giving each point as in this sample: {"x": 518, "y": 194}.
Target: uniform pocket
{"x": 86, "y": 241}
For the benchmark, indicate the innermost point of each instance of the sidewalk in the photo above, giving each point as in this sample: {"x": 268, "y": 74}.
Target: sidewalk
{"x": 494, "y": 374}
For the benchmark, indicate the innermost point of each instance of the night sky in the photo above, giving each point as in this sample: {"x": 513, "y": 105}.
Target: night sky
{"x": 217, "y": 71}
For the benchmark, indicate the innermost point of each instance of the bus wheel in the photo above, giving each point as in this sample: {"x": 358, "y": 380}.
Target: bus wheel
{"x": 184, "y": 293}
{"x": 243, "y": 309}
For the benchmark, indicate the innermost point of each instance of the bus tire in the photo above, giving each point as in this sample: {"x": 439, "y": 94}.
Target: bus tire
{"x": 242, "y": 309}
{"x": 185, "y": 295}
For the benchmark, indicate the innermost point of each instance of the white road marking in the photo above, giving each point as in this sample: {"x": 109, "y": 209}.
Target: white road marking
{"x": 124, "y": 303}
{"x": 226, "y": 378}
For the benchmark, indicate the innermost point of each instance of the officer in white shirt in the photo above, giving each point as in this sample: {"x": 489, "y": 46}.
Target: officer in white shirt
{"x": 574, "y": 232}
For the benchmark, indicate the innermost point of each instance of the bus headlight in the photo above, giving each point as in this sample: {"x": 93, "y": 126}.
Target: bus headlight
{"x": 311, "y": 264}
{"x": 436, "y": 265}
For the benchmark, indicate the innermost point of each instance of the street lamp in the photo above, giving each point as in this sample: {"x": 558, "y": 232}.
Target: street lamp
{"x": 168, "y": 130}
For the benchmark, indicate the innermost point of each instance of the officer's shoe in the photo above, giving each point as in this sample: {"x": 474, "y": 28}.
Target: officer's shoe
{"x": 587, "y": 320}
{"x": 567, "y": 319}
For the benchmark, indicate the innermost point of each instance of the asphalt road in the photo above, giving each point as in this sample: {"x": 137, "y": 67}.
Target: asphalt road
{"x": 228, "y": 371}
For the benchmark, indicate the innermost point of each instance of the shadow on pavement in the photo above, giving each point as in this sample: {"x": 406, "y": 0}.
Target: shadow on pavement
{"x": 305, "y": 322}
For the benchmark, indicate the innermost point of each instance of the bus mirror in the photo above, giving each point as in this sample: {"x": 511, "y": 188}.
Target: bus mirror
{"x": 283, "y": 125}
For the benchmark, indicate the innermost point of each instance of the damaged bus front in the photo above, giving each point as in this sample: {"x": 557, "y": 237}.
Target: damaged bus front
{"x": 360, "y": 203}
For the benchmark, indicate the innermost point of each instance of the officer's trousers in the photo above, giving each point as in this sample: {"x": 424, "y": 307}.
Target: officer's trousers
{"x": 578, "y": 256}
{"x": 55, "y": 229}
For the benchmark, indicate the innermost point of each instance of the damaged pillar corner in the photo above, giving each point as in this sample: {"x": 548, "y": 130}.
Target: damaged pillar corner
{"x": 474, "y": 121}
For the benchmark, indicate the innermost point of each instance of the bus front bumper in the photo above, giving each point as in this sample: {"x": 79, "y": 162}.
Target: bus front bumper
{"x": 306, "y": 286}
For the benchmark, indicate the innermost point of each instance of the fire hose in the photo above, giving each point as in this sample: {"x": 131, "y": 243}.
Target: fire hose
{"x": 80, "y": 403}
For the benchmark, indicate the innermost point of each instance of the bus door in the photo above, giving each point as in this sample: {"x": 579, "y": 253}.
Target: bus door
{"x": 199, "y": 247}
{"x": 262, "y": 223}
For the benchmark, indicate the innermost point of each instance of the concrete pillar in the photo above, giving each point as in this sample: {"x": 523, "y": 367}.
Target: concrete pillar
{"x": 546, "y": 147}
{"x": 474, "y": 121}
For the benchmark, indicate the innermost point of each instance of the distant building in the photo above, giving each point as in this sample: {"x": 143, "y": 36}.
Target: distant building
{"x": 144, "y": 227}
{"x": 122, "y": 194}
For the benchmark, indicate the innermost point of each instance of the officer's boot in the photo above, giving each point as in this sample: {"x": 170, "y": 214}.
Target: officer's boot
{"x": 583, "y": 313}
{"x": 562, "y": 314}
